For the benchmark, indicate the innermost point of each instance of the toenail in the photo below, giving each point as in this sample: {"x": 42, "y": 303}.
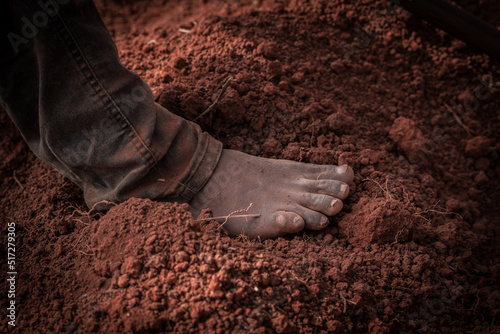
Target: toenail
{"x": 334, "y": 202}
{"x": 342, "y": 169}
{"x": 344, "y": 188}
{"x": 296, "y": 221}
{"x": 281, "y": 220}
{"x": 323, "y": 221}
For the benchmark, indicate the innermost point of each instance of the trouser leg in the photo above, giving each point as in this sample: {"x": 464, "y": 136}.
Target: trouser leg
{"x": 89, "y": 117}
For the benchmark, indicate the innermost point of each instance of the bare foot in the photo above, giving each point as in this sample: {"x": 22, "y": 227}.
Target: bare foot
{"x": 284, "y": 196}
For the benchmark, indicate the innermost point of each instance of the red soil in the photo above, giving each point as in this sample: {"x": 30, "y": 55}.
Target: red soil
{"x": 416, "y": 248}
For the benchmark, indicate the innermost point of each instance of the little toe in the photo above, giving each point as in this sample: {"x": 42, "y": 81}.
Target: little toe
{"x": 288, "y": 222}
{"x": 313, "y": 219}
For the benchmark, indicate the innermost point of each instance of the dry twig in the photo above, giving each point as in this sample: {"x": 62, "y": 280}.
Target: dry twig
{"x": 231, "y": 215}
{"x": 234, "y": 212}
{"x": 219, "y": 97}
{"x": 101, "y": 202}
{"x": 386, "y": 191}
{"x": 345, "y": 301}
{"x": 459, "y": 121}
{"x": 432, "y": 209}
{"x": 225, "y": 217}
{"x": 17, "y": 180}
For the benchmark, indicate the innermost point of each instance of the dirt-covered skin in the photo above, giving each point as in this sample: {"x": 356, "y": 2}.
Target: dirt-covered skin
{"x": 415, "y": 247}
{"x": 285, "y": 196}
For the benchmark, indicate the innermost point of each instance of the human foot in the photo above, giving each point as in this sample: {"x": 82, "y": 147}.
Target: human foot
{"x": 284, "y": 196}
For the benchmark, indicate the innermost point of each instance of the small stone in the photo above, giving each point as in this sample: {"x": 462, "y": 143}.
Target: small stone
{"x": 163, "y": 33}
{"x": 481, "y": 178}
{"x": 377, "y": 326}
{"x": 157, "y": 261}
{"x": 102, "y": 268}
{"x": 302, "y": 93}
{"x": 440, "y": 247}
{"x": 151, "y": 240}
{"x": 269, "y": 50}
{"x": 477, "y": 147}
{"x": 181, "y": 267}
{"x": 465, "y": 95}
{"x": 285, "y": 85}
{"x": 191, "y": 104}
{"x": 335, "y": 327}
{"x": 356, "y": 300}
{"x": 133, "y": 302}
{"x": 340, "y": 121}
{"x": 181, "y": 256}
{"x": 272, "y": 146}
{"x": 328, "y": 239}
{"x": 453, "y": 205}
{"x": 147, "y": 48}
{"x": 131, "y": 266}
{"x": 270, "y": 89}
{"x": 280, "y": 105}
{"x": 180, "y": 63}
{"x": 410, "y": 140}
{"x": 171, "y": 278}
{"x": 298, "y": 78}
{"x": 479, "y": 228}
{"x": 167, "y": 78}
{"x": 342, "y": 286}
{"x": 337, "y": 66}
{"x": 283, "y": 325}
{"x": 231, "y": 107}
{"x": 275, "y": 69}
{"x": 123, "y": 281}
{"x": 265, "y": 279}
{"x": 243, "y": 76}
{"x": 474, "y": 193}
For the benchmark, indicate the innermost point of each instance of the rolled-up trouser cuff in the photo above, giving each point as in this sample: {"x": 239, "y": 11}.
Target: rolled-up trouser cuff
{"x": 178, "y": 176}
{"x": 202, "y": 167}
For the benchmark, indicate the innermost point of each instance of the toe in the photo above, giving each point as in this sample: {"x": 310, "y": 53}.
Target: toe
{"x": 333, "y": 188}
{"x": 288, "y": 222}
{"x": 325, "y": 204}
{"x": 313, "y": 219}
{"x": 342, "y": 173}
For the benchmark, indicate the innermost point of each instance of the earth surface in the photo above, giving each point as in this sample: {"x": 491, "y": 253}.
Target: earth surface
{"x": 414, "y": 111}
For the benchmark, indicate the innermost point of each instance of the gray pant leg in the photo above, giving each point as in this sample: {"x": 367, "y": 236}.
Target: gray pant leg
{"x": 89, "y": 117}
